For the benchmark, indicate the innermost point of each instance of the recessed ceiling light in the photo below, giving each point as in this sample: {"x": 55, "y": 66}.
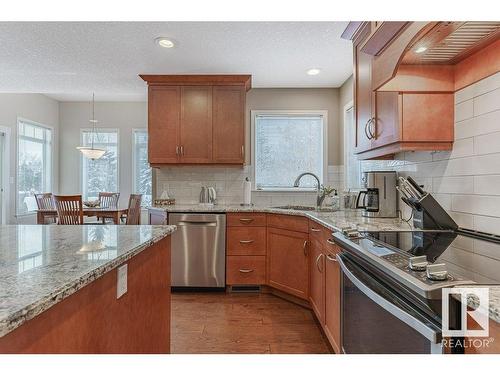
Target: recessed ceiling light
{"x": 164, "y": 42}
{"x": 313, "y": 71}
{"x": 421, "y": 49}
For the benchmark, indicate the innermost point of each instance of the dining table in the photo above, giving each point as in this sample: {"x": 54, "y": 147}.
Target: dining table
{"x": 114, "y": 213}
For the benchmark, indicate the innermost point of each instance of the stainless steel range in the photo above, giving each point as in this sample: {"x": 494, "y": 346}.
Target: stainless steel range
{"x": 393, "y": 283}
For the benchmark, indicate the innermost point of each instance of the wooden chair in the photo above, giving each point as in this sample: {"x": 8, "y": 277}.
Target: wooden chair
{"x": 69, "y": 209}
{"x": 45, "y": 201}
{"x": 134, "y": 210}
{"x": 108, "y": 200}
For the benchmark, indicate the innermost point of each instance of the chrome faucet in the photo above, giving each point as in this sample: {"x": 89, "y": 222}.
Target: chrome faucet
{"x": 319, "y": 197}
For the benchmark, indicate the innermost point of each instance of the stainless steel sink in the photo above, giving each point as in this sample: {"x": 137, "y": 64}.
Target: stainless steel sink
{"x": 304, "y": 208}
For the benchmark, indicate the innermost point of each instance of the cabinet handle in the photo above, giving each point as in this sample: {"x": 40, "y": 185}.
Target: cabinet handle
{"x": 366, "y": 130}
{"x": 317, "y": 262}
{"x": 304, "y": 248}
{"x": 246, "y": 271}
{"x": 246, "y": 220}
{"x": 315, "y": 230}
{"x": 246, "y": 241}
{"x": 373, "y": 123}
{"x": 330, "y": 241}
{"x": 330, "y": 258}
{"x": 182, "y": 150}
{"x": 177, "y": 150}
{"x": 242, "y": 151}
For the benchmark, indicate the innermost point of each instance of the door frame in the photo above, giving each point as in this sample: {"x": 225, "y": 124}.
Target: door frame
{"x": 5, "y": 159}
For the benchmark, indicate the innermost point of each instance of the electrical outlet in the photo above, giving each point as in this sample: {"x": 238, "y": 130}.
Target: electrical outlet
{"x": 121, "y": 285}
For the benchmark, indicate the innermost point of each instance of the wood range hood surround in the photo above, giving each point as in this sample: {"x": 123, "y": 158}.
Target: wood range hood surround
{"x": 404, "y": 101}
{"x": 196, "y": 119}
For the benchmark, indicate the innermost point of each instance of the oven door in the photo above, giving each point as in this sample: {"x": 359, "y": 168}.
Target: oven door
{"x": 375, "y": 320}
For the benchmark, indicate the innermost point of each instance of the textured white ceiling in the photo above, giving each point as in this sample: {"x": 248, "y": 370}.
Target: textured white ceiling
{"x": 70, "y": 60}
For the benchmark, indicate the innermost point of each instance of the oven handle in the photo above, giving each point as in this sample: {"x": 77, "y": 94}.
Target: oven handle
{"x": 402, "y": 315}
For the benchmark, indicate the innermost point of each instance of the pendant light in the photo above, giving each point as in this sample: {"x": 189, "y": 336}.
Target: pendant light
{"x": 91, "y": 152}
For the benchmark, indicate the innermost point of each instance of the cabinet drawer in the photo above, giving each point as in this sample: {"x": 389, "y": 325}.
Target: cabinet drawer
{"x": 250, "y": 219}
{"x": 294, "y": 223}
{"x": 315, "y": 231}
{"x": 246, "y": 241}
{"x": 242, "y": 270}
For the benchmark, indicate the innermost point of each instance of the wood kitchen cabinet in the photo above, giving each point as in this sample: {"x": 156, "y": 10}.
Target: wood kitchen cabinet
{"x": 196, "y": 119}
{"x": 332, "y": 277}
{"x": 164, "y": 116}
{"x": 196, "y": 124}
{"x": 287, "y": 261}
{"x": 229, "y": 124}
{"x": 317, "y": 280}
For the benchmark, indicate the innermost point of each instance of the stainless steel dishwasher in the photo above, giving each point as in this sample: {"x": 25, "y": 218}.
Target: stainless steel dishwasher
{"x": 198, "y": 250}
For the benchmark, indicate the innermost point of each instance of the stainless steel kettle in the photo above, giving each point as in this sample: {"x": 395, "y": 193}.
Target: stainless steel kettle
{"x": 208, "y": 195}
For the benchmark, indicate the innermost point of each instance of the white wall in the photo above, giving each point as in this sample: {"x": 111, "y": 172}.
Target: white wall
{"x": 37, "y": 108}
{"x": 74, "y": 116}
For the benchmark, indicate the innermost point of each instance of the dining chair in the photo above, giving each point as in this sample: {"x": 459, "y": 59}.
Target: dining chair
{"x": 69, "y": 209}
{"x": 45, "y": 201}
{"x": 134, "y": 210}
{"x": 107, "y": 200}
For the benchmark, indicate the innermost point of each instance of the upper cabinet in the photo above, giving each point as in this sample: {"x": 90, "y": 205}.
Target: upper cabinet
{"x": 196, "y": 119}
{"x": 405, "y": 76}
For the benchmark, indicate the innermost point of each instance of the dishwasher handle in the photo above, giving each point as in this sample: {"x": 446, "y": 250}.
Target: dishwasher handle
{"x": 185, "y": 223}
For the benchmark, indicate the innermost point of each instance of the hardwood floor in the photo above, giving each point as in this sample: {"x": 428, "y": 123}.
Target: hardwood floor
{"x": 242, "y": 323}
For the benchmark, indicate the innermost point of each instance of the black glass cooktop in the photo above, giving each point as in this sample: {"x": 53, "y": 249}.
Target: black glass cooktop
{"x": 456, "y": 249}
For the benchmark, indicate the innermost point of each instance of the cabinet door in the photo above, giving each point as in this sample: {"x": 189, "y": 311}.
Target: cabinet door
{"x": 428, "y": 117}
{"x": 163, "y": 124}
{"x": 196, "y": 124}
{"x": 387, "y": 125}
{"x": 317, "y": 280}
{"x": 228, "y": 124}
{"x": 287, "y": 261}
{"x": 364, "y": 98}
{"x": 332, "y": 301}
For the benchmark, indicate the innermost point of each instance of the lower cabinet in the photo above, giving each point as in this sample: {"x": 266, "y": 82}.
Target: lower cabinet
{"x": 317, "y": 280}
{"x": 287, "y": 261}
{"x": 246, "y": 270}
{"x": 331, "y": 325}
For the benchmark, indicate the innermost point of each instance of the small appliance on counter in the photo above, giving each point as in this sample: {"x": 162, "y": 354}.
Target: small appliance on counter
{"x": 208, "y": 195}
{"x": 379, "y": 199}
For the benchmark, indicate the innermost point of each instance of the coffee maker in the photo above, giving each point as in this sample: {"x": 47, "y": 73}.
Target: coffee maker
{"x": 379, "y": 199}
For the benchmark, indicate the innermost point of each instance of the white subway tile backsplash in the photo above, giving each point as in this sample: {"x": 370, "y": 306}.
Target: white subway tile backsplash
{"x": 484, "y": 124}
{"x": 487, "y": 185}
{"x": 486, "y": 85}
{"x": 487, "y": 102}
{"x": 464, "y": 94}
{"x": 476, "y": 204}
{"x": 487, "y": 224}
{"x": 487, "y": 143}
{"x": 448, "y": 185}
{"x": 464, "y": 110}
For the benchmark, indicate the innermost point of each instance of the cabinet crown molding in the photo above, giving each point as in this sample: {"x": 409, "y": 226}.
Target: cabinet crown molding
{"x": 199, "y": 79}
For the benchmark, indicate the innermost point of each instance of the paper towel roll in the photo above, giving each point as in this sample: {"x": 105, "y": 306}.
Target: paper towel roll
{"x": 247, "y": 192}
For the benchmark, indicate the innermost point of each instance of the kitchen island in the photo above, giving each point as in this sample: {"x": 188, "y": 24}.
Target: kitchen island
{"x": 59, "y": 292}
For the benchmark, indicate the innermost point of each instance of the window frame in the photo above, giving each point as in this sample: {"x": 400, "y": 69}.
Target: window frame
{"x": 350, "y": 148}
{"x": 50, "y": 180}
{"x": 291, "y": 112}
{"x": 134, "y": 155}
{"x": 118, "y": 152}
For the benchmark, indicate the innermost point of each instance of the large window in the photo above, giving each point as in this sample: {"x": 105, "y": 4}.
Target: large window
{"x": 142, "y": 171}
{"x": 101, "y": 174}
{"x": 287, "y": 144}
{"x": 34, "y": 164}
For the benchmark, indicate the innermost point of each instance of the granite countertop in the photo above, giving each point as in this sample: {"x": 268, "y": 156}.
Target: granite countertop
{"x": 41, "y": 265}
{"x": 336, "y": 220}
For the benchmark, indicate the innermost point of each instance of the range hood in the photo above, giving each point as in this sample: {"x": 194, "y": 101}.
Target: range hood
{"x": 448, "y": 43}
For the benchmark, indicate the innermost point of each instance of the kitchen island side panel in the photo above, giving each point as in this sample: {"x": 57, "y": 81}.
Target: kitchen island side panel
{"x": 93, "y": 320}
